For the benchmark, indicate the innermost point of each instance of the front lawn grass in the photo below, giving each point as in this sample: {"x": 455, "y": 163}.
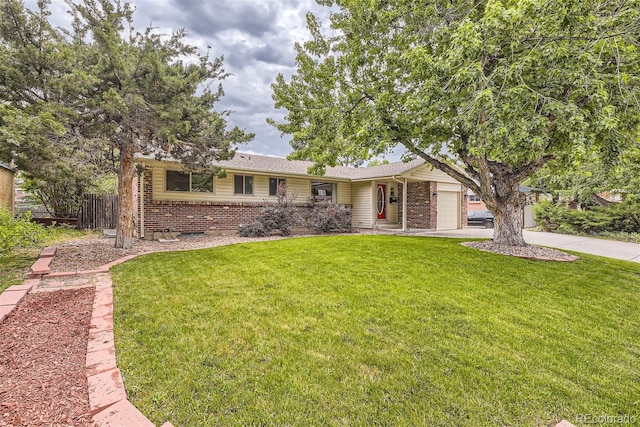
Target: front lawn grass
{"x": 362, "y": 330}
{"x": 15, "y": 265}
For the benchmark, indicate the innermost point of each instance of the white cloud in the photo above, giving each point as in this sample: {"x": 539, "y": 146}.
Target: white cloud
{"x": 256, "y": 38}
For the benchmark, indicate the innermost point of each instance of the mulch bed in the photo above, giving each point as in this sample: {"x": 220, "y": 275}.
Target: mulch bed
{"x": 539, "y": 253}
{"x": 42, "y": 357}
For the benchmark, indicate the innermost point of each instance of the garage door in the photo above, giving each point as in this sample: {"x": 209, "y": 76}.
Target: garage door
{"x": 448, "y": 209}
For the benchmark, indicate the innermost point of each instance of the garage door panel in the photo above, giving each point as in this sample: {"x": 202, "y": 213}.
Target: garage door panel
{"x": 448, "y": 210}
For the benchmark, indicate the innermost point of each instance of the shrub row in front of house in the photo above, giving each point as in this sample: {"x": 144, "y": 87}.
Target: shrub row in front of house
{"x": 284, "y": 217}
{"x": 621, "y": 217}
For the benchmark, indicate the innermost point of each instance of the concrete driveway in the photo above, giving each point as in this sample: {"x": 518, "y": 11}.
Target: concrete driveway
{"x": 607, "y": 248}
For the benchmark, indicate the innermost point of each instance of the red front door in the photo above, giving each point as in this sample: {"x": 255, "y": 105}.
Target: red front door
{"x": 381, "y": 203}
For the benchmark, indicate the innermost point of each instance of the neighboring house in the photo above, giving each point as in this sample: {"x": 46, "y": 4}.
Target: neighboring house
{"x": 7, "y": 187}
{"x": 395, "y": 195}
{"x": 475, "y": 203}
{"x": 533, "y": 195}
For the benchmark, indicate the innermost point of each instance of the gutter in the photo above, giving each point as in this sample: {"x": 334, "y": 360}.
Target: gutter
{"x": 141, "y": 179}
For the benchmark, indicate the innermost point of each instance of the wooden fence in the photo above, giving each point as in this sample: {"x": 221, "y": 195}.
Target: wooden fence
{"x": 99, "y": 212}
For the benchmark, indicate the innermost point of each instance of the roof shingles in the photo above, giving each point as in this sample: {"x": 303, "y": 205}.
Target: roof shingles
{"x": 259, "y": 163}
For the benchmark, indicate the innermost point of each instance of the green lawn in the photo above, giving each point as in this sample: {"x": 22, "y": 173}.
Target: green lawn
{"x": 362, "y": 330}
{"x": 15, "y": 265}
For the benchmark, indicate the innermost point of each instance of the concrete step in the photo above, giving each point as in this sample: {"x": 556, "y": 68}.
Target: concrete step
{"x": 387, "y": 226}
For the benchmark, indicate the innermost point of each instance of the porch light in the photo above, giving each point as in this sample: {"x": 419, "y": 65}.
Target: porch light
{"x": 392, "y": 196}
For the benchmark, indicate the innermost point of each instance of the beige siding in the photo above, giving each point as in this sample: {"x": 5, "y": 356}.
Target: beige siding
{"x": 6, "y": 189}
{"x": 427, "y": 173}
{"x": 362, "y": 204}
{"x": 392, "y": 208}
{"x": 299, "y": 186}
{"x": 223, "y": 189}
{"x": 344, "y": 193}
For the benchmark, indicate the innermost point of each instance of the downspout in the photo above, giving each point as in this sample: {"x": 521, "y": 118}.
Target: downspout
{"x": 141, "y": 178}
{"x": 404, "y": 202}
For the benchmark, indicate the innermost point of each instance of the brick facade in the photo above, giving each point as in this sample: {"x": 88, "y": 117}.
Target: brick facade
{"x": 422, "y": 205}
{"x": 464, "y": 207}
{"x": 192, "y": 216}
{"x": 195, "y": 217}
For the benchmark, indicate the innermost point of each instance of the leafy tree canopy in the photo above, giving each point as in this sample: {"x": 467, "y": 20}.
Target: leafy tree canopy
{"x": 102, "y": 84}
{"x": 487, "y": 91}
{"x": 591, "y": 175}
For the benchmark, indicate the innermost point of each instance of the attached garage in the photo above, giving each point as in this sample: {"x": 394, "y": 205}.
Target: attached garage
{"x": 448, "y": 208}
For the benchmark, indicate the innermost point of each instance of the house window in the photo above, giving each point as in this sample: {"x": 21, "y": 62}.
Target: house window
{"x": 274, "y": 183}
{"x": 323, "y": 191}
{"x": 202, "y": 183}
{"x": 474, "y": 198}
{"x": 243, "y": 184}
{"x": 185, "y": 181}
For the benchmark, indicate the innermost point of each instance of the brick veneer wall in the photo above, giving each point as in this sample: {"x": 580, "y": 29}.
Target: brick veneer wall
{"x": 433, "y": 205}
{"x": 174, "y": 216}
{"x": 421, "y": 206}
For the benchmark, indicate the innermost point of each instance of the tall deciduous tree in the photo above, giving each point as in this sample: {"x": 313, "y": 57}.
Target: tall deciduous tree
{"x": 486, "y": 91}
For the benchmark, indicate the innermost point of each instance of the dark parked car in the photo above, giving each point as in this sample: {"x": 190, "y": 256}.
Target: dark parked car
{"x": 483, "y": 218}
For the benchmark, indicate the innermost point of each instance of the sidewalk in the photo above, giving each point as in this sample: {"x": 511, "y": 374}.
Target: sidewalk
{"x": 607, "y": 248}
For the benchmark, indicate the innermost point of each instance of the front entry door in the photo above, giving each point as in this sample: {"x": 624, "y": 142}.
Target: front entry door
{"x": 381, "y": 204}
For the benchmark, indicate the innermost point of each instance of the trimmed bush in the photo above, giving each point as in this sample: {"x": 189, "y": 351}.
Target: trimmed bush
{"x": 330, "y": 219}
{"x": 255, "y": 229}
{"x": 279, "y": 216}
{"x": 621, "y": 217}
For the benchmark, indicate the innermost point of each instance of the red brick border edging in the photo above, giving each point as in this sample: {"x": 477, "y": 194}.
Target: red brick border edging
{"x": 107, "y": 396}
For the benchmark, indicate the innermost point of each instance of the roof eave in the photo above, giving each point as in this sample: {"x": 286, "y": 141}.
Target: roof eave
{"x": 257, "y": 171}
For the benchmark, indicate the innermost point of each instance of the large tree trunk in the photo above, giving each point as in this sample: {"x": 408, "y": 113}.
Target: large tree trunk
{"x": 508, "y": 224}
{"x": 505, "y": 201}
{"x": 124, "y": 232}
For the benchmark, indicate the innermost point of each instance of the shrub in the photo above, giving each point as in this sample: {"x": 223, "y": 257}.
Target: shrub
{"x": 279, "y": 216}
{"x": 625, "y": 217}
{"x": 621, "y": 217}
{"x": 330, "y": 219}
{"x": 18, "y": 231}
{"x": 255, "y": 229}
{"x": 548, "y": 215}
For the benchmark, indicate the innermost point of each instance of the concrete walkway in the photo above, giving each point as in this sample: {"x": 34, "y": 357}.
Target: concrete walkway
{"x": 607, "y": 248}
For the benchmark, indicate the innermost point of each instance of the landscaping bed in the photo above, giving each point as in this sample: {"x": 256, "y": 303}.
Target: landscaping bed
{"x": 42, "y": 357}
